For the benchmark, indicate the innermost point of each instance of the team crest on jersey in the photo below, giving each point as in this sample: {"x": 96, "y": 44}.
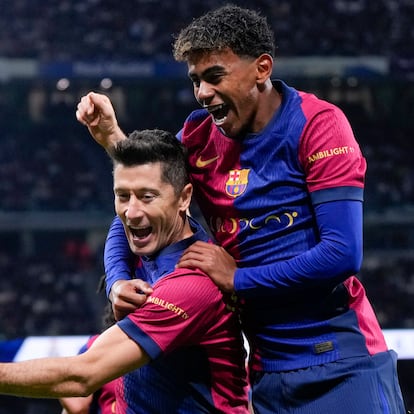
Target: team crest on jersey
{"x": 237, "y": 181}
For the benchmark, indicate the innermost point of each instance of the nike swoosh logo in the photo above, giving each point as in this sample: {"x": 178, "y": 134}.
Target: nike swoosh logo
{"x": 203, "y": 163}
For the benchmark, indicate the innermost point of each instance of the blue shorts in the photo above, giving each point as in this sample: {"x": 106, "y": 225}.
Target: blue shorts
{"x": 363, "y": 385}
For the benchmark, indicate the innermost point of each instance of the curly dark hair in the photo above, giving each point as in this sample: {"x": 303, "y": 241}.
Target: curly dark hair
{"x": 244, "y": 31}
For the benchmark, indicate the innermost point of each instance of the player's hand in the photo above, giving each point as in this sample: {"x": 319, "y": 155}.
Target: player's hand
{"x": 128, "y": 295}
{"x": 76, "y": 405}
{"x": 96, "y": 112}
{"x": 213, "y": 260}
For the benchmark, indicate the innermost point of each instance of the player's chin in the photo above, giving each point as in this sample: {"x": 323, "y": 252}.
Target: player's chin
{"x": 143, "y": 246}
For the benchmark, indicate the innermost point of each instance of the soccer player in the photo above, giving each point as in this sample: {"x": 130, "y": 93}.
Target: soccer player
{"x": 279, "y": 178}
{"x": 182, "y": 350}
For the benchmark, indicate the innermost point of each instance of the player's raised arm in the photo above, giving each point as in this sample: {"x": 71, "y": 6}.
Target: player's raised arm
{"x": 96, "y": 112}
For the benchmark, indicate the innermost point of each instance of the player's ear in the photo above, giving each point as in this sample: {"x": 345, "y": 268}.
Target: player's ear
{"x": 264, "y": 68}
{"x": 185, "y": 197}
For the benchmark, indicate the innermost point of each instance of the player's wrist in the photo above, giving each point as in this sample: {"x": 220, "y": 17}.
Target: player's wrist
{"x": 114, "y": 290}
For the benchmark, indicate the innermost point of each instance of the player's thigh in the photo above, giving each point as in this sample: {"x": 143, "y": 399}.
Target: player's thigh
{"x": 356, "y": 385}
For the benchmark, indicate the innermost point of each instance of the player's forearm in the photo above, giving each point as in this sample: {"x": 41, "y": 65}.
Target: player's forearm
{"x": 43, "y": 378}
{"x": 336, "y": 257}
{"x": 118, "y": 258}
{"x": 112, "y": 137}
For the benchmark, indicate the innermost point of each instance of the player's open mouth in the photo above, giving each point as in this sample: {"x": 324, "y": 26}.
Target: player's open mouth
{"x": 140, "y": 232}
{"x": 218, "y": 112}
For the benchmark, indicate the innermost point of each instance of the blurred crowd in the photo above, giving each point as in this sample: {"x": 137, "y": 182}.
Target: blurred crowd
{"x": 48, "y": 169}
{"x": 54, "y": 30}
{"x": 50, "y": 291}
{"x": 389, "y": 282}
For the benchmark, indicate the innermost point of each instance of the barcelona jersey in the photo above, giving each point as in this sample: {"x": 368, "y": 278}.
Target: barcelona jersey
{"x": 258, "y": 195}
{"x": 192, "y": 334}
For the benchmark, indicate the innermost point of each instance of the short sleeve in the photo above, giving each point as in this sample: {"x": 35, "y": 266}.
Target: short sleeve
{"x": 333, "y": 163}
{"x": 180, "y": 310}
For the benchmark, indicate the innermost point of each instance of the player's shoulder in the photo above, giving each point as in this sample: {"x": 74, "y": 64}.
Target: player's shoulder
{"x": 198, "y": 115}
{"x": 303, "y": 103}
{"x": 184, "y": 274}
{"x": 191, "y": 282}
{"x": 191, "y": 290}
{"x": 313, "y": 105}
{"x": 314, "y": 101}
{"x": 197, "y": 124}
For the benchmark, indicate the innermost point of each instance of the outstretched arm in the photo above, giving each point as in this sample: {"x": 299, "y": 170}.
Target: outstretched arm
{"x": 96, "y": 112}
{"x": 112, "y": 355}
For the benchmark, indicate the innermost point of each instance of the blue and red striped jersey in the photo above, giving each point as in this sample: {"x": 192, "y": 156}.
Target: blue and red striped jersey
{"x": 264, "y": 197}
{"x": 191, "y": 331}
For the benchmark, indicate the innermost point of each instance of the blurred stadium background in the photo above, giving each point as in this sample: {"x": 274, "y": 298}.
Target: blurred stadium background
{"x": 55, "y": 183}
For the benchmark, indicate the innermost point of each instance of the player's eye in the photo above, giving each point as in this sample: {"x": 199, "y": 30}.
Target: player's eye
{"x": 122, "y": 196}
{"x": 148, "y": 197}
{"x": 214, "y": 79}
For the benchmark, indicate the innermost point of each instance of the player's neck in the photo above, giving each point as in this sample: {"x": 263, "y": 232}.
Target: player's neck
{"x": 270, "y": 102}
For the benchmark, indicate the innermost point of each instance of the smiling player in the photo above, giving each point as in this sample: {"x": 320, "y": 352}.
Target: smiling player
{"x": 182, "y": 350}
